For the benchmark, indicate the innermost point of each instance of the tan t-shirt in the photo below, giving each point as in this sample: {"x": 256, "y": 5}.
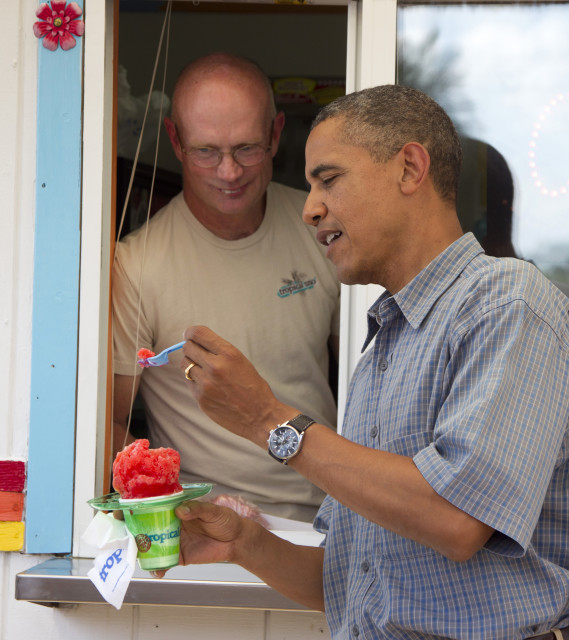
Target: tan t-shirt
{"x": 273, "y": 295}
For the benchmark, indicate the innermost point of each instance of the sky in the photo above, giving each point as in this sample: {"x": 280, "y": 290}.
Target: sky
{"x": 512, "y": 69}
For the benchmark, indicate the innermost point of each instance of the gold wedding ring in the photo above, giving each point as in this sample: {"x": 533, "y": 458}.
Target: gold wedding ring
{"x": 187, "y": 371}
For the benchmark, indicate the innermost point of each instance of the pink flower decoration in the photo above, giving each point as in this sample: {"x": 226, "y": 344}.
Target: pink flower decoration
{"x": 57, "y": 23}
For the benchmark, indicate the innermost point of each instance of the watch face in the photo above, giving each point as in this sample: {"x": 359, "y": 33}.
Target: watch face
{"x": 284, "y": 442}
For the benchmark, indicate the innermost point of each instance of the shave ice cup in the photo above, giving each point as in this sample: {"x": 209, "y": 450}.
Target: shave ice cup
{"x": 156, "y": 529}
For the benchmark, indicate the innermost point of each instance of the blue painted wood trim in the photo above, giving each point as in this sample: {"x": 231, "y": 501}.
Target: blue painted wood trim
{"x": 49, "y": 502}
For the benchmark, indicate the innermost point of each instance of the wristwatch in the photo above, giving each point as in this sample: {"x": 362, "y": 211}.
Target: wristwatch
{"x": 285, "y": 439}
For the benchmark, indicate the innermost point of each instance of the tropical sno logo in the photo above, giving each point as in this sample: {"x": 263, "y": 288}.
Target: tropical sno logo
{"x": 297, "y": 284}
{"x": 144, "y": 541}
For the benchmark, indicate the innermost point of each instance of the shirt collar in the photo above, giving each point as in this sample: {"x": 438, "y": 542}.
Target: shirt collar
{"x": 417, "y": 297}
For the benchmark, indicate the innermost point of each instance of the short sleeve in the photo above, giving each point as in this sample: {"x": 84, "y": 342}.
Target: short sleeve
{"x": 322, "y": 519}
{"x": 499, "y": 432}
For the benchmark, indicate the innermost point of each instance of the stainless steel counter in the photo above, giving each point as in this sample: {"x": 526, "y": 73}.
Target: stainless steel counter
{"x": 60, "y": 581}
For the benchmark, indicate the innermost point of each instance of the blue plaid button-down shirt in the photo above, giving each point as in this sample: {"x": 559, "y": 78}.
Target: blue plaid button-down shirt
{"x": 468, "y": 374}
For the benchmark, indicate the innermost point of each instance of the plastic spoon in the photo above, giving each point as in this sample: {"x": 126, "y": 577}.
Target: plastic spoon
{"x": 161, "y": 358}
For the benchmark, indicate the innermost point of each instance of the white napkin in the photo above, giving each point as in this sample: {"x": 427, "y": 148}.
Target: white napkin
{"x": 114, "y": 565}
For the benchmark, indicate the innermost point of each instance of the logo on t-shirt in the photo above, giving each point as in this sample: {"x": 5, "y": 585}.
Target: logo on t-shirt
{"x": 298, "y": 284}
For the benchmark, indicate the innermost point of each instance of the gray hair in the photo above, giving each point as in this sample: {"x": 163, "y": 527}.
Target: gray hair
{"x": 384, "y": 118}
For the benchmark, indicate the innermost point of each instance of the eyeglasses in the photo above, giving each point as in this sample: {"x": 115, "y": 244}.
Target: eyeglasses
{"x": 246, "y": 155}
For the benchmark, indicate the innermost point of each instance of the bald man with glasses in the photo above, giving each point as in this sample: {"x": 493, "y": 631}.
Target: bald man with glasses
{"x": 229, "y": 252}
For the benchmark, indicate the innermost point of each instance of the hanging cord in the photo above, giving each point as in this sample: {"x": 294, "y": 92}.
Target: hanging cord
{"x": 165, "y": 32}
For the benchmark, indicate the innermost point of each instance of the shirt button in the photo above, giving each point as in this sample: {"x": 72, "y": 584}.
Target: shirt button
{"x": 365, "y": 566}
{"x": 383, "y": 365}
{"x": 373, "y": 432}
{"x": 355, "y": 631}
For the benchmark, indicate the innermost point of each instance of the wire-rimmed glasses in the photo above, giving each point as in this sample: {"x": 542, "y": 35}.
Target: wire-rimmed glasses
{"x": 246, "y": 155}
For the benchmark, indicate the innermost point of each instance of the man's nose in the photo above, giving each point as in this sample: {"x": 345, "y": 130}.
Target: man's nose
{"x": 229, "y": 169}
{"x": 314, "y": 210}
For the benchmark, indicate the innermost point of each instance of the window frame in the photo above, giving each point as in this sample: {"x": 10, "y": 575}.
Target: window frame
{"x": 76, "y": 449}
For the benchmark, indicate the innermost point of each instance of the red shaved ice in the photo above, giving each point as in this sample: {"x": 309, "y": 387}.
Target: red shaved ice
{"x": 143, "y": 355}
{"x": 141, "y": 472}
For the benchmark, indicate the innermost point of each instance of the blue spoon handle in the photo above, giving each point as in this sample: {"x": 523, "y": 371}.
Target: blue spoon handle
{"x": 174, "y": 347}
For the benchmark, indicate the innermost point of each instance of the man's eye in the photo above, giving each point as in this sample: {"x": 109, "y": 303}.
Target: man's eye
{"x": 206, "y": 152}
{"x": 328, "y": 180}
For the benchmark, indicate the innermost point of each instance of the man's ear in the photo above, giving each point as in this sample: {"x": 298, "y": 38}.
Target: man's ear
{"x": 173, "y": 135}
{"x": 416, "y": 165}
{"x": 278, "y": 125}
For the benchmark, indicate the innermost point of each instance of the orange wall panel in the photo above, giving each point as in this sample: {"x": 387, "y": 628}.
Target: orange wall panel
{"x": 11, "y": 506}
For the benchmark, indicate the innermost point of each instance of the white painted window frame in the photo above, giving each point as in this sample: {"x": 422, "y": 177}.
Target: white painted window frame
{"x": 95, "y": 264}
{"x": 370, "y": 61}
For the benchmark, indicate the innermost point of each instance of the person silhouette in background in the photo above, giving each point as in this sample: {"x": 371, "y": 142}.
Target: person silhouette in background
{"x": 492, "y": 221}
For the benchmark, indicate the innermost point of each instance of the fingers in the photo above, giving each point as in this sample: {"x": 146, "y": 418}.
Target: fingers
{"x": 205, "y": 338}
{"x": 204, "y": 349}
{"x": 217, "y": 522}
{"x": 199, "y": 344}
{"x": 191, "y": 509}
{"x": 188, "y": 370}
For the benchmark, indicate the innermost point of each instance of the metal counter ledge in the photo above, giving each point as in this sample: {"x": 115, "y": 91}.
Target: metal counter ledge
{"x": 59, "y": 581}
{"x": 64, "y": 580}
